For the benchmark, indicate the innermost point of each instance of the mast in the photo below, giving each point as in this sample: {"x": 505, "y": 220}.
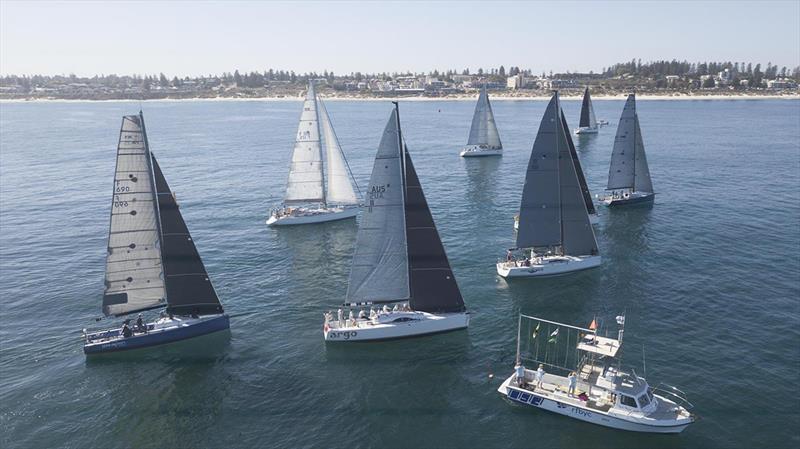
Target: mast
{"x": 149, "y": 156}
{"x": 559, "y": 134}
{"x": 321, "y": 159}
{"x": 635, "y": 119}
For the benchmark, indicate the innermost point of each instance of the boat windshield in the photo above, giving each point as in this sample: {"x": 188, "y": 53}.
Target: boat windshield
{"x": 644, "y": 399}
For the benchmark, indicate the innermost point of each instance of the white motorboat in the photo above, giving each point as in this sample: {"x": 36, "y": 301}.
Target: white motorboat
{"x": 399, "y": 258}
{"x": 588, "y": 123}
{"x": 581, "y": 377}
{"x": 629, "y": 180}
{"x": 484, "y": 140}
{"x": 318, "y": 189}
{"x": 554, "y": 231}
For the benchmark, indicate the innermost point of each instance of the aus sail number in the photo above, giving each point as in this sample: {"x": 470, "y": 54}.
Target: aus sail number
{"x": 377, "y": 192}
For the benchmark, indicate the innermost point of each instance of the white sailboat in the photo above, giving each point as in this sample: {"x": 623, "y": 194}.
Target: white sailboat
{"x": 318, "y": 190}
{"x": 629, "y": 180}
{"x": 582, "y": 377}
{"x": 399, "y": 258}
{"x": 555, "y": 235}
{"x": 588, "y": 122}
{"x": 484, "y": 140}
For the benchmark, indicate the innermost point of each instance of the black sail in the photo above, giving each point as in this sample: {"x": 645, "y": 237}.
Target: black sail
{"x": 586, "y": 121}
{"x": 433, "y": 285}
{"x": 189, "y": 289}
{"x": 587, "y": 196}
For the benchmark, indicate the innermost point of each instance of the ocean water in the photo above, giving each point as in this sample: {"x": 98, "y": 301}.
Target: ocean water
{"x": 709, "y": 279}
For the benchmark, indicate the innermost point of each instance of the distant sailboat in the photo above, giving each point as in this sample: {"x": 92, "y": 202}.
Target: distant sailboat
{"x": 484, "y": 140}
{"x": 399, "y": 258}
{"x": 588, "y": 122}
{"x": 555, "y": 234}
{"x": 629, "y": 176}
{"x": 317, "y": 190}
{"x": 152, "y": 261}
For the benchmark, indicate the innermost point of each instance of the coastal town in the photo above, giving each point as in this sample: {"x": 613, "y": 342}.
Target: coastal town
{"x": 660, "y": 78}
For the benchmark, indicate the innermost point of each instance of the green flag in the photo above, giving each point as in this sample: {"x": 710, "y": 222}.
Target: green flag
{"x": 553, "y": 337}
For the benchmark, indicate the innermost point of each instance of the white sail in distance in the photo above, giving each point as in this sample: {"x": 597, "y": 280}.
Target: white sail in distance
{"x": 306, "y": 179}
{"x": 339, "y": 185}
{"x": 483, "y": 131}
{"x": 134, "y": 278}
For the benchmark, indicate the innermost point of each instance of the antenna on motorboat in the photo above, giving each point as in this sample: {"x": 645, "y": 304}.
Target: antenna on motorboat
{"x": 644, "y": 364}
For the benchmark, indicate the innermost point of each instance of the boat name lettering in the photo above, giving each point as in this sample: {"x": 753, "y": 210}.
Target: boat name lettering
{"x": 345, "y": 335}
{"x": 582, "y": 412}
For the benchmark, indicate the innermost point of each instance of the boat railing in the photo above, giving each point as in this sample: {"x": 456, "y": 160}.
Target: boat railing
{"x": 672, "y": 393}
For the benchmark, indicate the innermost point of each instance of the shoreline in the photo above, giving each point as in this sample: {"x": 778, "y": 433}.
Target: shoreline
{"x": 417, "y": 98}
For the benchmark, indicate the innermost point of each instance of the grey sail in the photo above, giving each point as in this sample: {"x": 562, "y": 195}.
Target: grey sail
{"x": 641, "y": 172}
{"x": 134, "y": 278}
{"x": 540, "y": 209}
{"x": 379, "y": 271}
{"x": 306, "y": 183}
{"x": 587, "y": 195}
{"x": 629, "y": 168}
{"x": 588, "y": 119}
{"x": 483, "y": 131}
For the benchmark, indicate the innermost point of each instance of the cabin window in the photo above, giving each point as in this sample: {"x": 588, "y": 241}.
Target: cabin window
{"x": 644, "y": 401}
{"x": 627, "y": 401}
{"x": 402, "y": 319}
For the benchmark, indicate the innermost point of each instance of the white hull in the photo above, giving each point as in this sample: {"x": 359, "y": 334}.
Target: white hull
{"x": 477, "y": 151}
{"x": 574, "y": 408}
{"x": 386, "y": 327}
{"x": 547, "y": 266}
{"x": 586, "y": 130}
{"x": 309, "y": 216}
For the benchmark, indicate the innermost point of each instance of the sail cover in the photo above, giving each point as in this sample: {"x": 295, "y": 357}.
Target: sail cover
{"x": 305, "y": 183}
{"x": 540, "y": 210}
{"x": 588, "y": 119}
{"x": 379, "y": 271}
{"x": 484, "y": 130}
{"x": 433, "y": 284}
{"x": 133, "y": 279}
{"x": 628, "y": 161}
{"x": 189, "y": 289}
{"x": 587, "y": 196}
{"x": 340, "y": 189}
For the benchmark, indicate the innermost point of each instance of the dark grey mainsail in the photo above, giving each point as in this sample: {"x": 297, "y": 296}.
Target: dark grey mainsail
{"x": 553, "y": 211}
{"x": 189, "y": 288}
{"x": 483, "y": 131}
{"x": 588, "y": 119}
{"x": 587, "y": 196}
{"x": 629, "y": 168}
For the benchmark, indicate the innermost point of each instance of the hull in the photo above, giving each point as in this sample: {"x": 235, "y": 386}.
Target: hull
{"x": 586, "y": 130}
{"x": 422, "y": 324}
{"x": 635, "y": 199}
{"x": 530, "y": 399}
{"x": 475, "y": 151}
{"x": 313, "y": 216}
{"x": 552, "y": 266}
{"x": 161, "y": 333}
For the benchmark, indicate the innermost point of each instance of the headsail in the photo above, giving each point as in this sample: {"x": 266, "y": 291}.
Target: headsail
{"x": 134, "y": 274}
{"x": 380, "y": 264}
{"x": 339, "y": 187}
{"x": 189, "y": 288}
{"x": 587, "y": 196}
{"x": 629, "y": 168}
{"x": 484, "y": 129}
{"x": 588, "y": 119}
{"x": 306, "y": 183}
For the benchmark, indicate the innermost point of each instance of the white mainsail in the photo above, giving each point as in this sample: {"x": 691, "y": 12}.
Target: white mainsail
{"x": 380, "y": 264}
{"x": 306, "y": 183}
{"x": 483, "y": 131}
{"x": 339, "y": 187}
{"x": 134, "y": 277}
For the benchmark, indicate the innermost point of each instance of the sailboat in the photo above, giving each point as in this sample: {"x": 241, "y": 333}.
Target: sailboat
{"x": 152, "y": 261}
{"x": 555, "y": 235}
{"x": 484, "y": 140}
{"x": 629, "y": 176}
{"x": 399, "y": 258}
{"x": 588, "y": 122}
{"x": 317, "y": 190}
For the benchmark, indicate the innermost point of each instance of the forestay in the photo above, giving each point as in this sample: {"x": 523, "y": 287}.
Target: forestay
{"x": 629, "y": 168}
{"x": 305, "y": 183}
{"x": 587, "y": 195}
{"x": 134, "y": 276}
{"x": 588, "y": 119}
{"x": 484, "y": 129}
{"x": 339, "y": 188}
{"x": 380, "y": 263}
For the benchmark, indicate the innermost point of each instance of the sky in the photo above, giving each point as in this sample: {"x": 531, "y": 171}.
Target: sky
{"x": 210, "y": 37}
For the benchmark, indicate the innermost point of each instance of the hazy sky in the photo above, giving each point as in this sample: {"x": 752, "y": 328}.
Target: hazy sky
{"x": 196, "y": 37}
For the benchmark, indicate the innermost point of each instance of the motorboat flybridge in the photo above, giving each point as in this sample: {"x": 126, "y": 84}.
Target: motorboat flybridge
{"x": 629, "y": 180}
{"x": 588, "y": 123}
{"x": 152, "y": 261}
{"x": 317, "y": 190}
{"x": 399, "y": 258}
{"x": 484, "y": 140}
{"x": 554, "y": 235}
{"x": 580, "y": 375}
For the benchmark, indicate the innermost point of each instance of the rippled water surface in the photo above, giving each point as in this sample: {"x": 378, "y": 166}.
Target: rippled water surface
{"x": 709, "y": 277}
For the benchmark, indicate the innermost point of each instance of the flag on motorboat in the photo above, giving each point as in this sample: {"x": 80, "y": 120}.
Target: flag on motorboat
{"x": 593, "y": 325}
{"x": 621, "y": 320}
{"x": 553, "y": 337}
{"x": 536, "y": 331}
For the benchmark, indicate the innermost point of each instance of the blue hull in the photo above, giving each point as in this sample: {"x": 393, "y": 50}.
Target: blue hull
{"x": 148, "y": 340}
{"x": 642, "y": 200}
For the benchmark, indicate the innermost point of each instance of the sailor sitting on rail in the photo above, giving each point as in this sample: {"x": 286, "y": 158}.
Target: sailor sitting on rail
{"x": 362, "y": 315}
